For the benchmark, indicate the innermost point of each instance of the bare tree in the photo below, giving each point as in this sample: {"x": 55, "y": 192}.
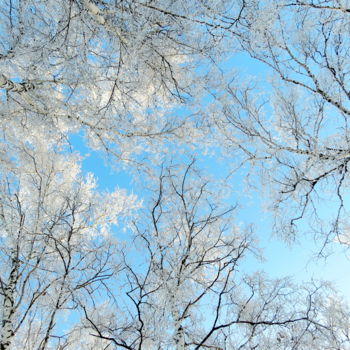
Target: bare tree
{"x": 56, "y": 246}
{"x": 118, "y": 70}
{"x": 188, "y": 291}
{"x": 297, "y": 129}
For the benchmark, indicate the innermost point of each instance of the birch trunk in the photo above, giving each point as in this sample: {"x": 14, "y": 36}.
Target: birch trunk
{"x": 9, "y": 307}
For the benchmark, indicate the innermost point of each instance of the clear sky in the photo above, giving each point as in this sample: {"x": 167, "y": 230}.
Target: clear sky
{"x": 298, "y": 260}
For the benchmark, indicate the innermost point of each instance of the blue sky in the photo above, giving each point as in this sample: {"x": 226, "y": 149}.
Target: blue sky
{"x": 297, "y": 260}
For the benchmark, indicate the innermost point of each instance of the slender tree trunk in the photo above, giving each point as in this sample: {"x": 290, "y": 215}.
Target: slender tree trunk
{"x": 8, "y": 307}
{"x": 179, "y": 335}
{"x": 180, "y": 338}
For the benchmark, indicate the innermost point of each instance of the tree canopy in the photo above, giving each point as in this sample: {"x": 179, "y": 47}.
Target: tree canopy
{"x": 150, "y": 85}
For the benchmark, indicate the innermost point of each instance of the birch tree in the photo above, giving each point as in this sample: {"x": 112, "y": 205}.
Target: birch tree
{"x": 189, "y": 290}
{"x": 295, "y": 127}
{"x": 118, "y": 70}
{"x": 56, "y": 246}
